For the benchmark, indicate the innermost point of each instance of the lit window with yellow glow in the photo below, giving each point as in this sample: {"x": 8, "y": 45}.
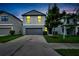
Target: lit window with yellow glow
{"x": 28, "y": 19}
{"x": 39, "y": 19}
{"x": 45, "y": 29}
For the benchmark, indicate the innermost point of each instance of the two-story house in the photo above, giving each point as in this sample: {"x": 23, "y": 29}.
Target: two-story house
{"x": 33, "y": 23}
{"x": 70, "y": 26}
{"x": 9, "y": 22}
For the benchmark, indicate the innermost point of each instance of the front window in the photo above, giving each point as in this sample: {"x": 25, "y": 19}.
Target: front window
{"x": 39, "y": 19}
{"x": 28, "y": 19}
{"x": 4, "y": 18}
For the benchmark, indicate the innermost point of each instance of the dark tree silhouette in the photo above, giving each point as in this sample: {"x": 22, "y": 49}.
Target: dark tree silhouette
{"x": 52, "y": 20}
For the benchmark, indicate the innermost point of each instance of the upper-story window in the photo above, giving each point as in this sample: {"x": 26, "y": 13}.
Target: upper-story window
{"x": 28, "y": 19}
{"x": 39, "y": 19}
{"x": 4, "y": 18}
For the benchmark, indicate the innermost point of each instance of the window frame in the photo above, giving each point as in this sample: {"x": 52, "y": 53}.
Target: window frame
{"x": 4, "y": 18}
{"x": 39, "y": 19}
{"x": 28, "y": 18}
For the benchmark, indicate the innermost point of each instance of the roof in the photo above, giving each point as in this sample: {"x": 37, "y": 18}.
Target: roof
{"x": 1, "y": 11}
{"x": 33, "y": 13}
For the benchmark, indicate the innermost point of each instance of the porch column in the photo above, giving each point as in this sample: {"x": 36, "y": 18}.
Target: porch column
{"x": 23, "y": 30}
{"x": 64, "y": 33}
{"x": 11, "y": 27}
{"x": 76, "y": 30}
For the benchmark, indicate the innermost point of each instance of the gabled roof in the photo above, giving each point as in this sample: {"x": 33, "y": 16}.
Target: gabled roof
{"x": 1, "y": 11}
{"x": 33, "y": 13}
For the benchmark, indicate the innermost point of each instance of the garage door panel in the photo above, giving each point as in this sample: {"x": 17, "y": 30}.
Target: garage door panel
{"x": 34, "y": 31}
{"x": 4, "y": 31}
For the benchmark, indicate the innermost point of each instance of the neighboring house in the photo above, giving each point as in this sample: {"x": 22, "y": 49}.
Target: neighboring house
{"x": 69, "y": 27}
{"x": 9, "y": 22}
{"x": 33, "y": 23}
{"x": 70, "y": 24}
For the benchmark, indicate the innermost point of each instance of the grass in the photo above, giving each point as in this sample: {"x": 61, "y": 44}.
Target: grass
{"x": 68, "y": 52}
{"x": 7, "y": 38}
{"x": 59, "y": 39}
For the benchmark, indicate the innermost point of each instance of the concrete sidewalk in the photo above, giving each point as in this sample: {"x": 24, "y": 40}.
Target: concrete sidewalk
{"x": 64, "y": 45}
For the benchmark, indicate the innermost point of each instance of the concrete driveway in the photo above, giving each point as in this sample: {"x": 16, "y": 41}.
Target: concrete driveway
{"x": 28, "y": 45}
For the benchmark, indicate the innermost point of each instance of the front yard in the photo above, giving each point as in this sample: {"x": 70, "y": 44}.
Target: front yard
{"x": 68, "y": 52}
{"x": 59, "y": 39}
{"x": 7, "y": 38}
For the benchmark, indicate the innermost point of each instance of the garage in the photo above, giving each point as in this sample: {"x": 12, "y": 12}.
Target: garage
{"x": 34, "y": 31}
{"x": 4, "y": 31}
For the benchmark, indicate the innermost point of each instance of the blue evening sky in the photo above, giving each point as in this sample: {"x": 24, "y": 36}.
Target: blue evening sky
{"x": 19, "y": 8}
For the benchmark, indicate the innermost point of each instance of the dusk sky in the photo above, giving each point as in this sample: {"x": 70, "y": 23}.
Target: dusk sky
{"x": 19, "y": 8}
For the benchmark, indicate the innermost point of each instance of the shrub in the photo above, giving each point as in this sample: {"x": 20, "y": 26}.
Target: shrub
{"x": 12, "y": 32}
{"x": 44, "y": 33}
{"x": 20, "y": 32}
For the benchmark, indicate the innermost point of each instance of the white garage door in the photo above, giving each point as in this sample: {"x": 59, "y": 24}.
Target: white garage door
{"x": 4, "y": 31}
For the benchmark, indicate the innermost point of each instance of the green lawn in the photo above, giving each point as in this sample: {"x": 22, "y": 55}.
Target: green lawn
{"x": 4, "y": 39}
{"x": 59, "y": 39}
{"x": 68, "y": 52}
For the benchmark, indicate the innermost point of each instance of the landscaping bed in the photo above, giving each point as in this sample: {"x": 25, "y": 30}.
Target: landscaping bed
{"x": 59, "y": 39}
{"x": 7, "y": 38}
{"x": 68, "y": 52}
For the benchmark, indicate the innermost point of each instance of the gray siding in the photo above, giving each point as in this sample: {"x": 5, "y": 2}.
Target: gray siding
{"x": 17, "y": 25}
{"x": 34, "y": 20}
{"x": 71, "y": 22}
{"x": 59, "y": 29}
{"x": 34, "y": 23}
{"x": 33, "y": 26}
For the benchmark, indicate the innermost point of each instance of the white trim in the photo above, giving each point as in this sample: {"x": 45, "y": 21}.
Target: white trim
{"x": 77, "y": 28}
{"x": 78, "y": 22}
{"x": 6, "y": 24}
{"x": 11, "y": 27}
{"x": 33, "y": 24}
